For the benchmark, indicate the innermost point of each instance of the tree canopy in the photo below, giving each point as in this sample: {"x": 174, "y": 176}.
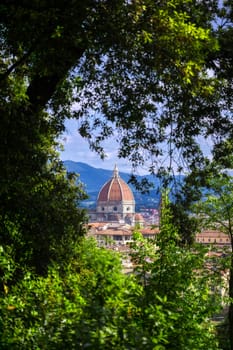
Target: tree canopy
{"x": 151, "y": 71}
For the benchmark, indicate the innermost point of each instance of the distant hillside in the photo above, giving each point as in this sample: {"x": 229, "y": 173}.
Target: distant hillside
{"x": 94, "y": 179}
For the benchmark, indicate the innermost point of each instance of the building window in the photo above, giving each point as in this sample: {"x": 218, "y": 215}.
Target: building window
{"x": 115, "y": 208}
{"x": 128, "y": 208}
{"x": 117, "y": 238}
{"x": 102, "y": 208}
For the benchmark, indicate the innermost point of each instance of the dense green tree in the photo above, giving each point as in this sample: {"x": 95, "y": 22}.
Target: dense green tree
{"x": 92, "y": 304}
{"x": 38, "y": 206}
{"x": 215, "y": 210}
{"x": 77, "y": 308}
{"x": 38, "y": 211}
{"x": 177, "y": 280}
{"x": 138, "y": 67}
{"x": 187, "y": 225}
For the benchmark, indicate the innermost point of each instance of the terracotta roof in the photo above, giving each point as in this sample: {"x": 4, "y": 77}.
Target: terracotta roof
{"x": 213, "y": 237}
{"x": 111, "y": 232}
{"x": 212, "y": 233}
{"x": 149, "y": 231}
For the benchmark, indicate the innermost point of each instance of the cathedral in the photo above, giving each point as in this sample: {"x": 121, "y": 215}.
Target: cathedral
{"x": 115, "y": 202}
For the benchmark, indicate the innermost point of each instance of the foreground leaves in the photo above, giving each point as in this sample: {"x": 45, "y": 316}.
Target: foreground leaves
{"x": 90, "y": 303}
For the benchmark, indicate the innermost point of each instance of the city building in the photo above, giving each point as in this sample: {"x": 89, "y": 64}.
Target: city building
{"x": 114, "y": 219}
{"x": 115, "y": 202}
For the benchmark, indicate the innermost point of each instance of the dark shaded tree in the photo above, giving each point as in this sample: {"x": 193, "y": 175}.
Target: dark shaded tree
{"x": 138, "y": 67}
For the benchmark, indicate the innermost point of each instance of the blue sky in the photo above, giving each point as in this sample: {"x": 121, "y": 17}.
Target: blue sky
{"x": 76, "y": 148}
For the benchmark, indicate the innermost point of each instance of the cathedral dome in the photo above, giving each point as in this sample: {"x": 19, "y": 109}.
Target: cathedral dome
{"x": 115, "y": 201}
{"x": 115, "y": 189}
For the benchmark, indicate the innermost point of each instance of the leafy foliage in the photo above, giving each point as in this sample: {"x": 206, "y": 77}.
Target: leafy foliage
{"x": 80, "y": 307}
{"x": 216, "y": 211}
{"x": 90, "y": 303}
{"x": 38, "y": 201}
{"x": 138, "y": 69}
{"x": 176, "y": 281}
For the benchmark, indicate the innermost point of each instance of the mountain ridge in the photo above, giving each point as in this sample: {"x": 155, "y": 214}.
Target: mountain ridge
{"x": 95, "y": 178}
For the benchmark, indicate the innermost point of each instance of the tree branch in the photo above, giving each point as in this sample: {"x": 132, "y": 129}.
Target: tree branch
{"x": 17, "y": 64}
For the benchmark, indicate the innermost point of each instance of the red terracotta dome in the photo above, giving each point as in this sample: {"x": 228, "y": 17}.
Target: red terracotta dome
{"x": 115, "y": 189}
